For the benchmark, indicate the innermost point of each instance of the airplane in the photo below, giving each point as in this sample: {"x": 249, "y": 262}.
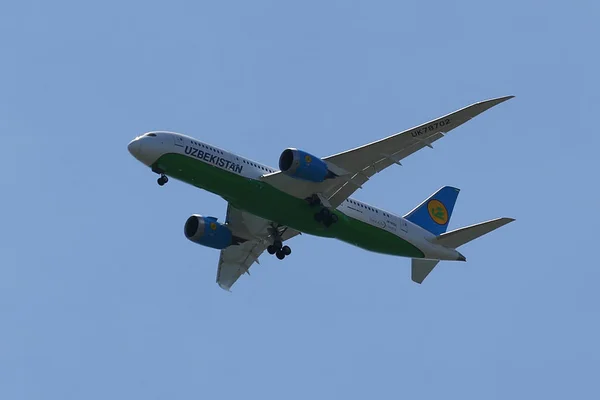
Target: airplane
{"x": 307, "y": 194}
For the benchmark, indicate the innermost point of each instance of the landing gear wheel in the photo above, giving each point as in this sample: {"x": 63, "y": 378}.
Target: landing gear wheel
{"x": 277, "y": 244}
{"x": 334, "y": 218}
{"x": 162, "y": 180}
{"x": 286, "y": 250}
{"x": 280, "y": 255}
{"x": 271, "y": 249}
{"x": 319, "y": 217}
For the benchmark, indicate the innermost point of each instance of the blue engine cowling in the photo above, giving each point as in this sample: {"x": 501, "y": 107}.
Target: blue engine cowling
{"x": 302, "y": 165}
{"x": 208, "y": 232}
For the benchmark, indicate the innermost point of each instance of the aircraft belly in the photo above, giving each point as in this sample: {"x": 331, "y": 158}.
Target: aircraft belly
{"x": 265, "y": 201}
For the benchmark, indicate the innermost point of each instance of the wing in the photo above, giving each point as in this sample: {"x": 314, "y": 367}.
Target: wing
{"x": 361, "y": 163}
{"x": 237, "y": 259}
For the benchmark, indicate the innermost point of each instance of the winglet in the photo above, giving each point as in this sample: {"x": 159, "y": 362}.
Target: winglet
{"x": 481, "y": 106}
{"x": 487, "y": 104}
{"x": 225, "y": 288}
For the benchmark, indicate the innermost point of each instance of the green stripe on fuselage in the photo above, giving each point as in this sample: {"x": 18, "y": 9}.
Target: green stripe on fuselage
{"x": 261, "y": 199}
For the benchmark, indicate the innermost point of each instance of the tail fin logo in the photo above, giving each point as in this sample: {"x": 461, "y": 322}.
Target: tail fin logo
{"x": 437, "y": 212}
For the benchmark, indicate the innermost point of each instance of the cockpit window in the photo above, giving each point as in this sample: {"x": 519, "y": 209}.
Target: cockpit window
{"x": 151, "y": 134}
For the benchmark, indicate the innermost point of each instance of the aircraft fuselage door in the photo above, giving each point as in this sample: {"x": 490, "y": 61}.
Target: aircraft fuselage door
{"x": 403, "y": 225}
{"x": 178, "y": 141}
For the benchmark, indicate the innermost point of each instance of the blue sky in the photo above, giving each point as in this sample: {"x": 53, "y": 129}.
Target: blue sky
{"x": 101, "y": 296}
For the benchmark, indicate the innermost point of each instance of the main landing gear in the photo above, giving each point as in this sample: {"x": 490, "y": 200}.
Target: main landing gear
{"x": 324, "y": 215}
{"x": 313, "y": 200}
{"x": 279, "y": 249}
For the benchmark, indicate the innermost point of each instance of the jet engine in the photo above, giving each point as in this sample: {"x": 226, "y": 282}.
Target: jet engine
{"x": 208, "y": 232}
{"x": 302, "y": 165}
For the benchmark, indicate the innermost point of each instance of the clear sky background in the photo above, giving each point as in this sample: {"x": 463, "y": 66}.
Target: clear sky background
{"x": 102, "y": 297}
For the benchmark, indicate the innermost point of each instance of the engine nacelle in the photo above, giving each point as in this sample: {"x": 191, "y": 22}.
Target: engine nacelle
{"x": 302, "y": 165}
{"x": 208, "y": 232}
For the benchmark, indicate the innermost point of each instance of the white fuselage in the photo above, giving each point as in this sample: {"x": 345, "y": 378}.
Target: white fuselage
{"x": 149, "y": 147}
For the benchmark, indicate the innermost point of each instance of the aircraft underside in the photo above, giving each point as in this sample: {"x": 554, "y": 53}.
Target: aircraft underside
{"x": 267, "y": 202}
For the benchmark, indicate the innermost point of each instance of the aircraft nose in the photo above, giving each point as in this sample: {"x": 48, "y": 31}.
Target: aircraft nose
{"x": 134, "y": 147}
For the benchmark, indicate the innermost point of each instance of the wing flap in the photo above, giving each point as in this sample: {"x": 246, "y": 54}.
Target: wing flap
{"x": 236, "y": 260}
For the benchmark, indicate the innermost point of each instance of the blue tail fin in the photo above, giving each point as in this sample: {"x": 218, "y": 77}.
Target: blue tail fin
{"x": 434, "y": 213}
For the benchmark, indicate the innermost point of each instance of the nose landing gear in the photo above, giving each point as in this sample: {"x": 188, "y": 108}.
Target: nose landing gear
{"x": 162, "y": 180}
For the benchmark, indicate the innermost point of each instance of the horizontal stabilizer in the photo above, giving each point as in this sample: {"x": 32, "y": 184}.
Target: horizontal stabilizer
{"x": 458, "y": 237}
{"x": 420, "y": 268}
